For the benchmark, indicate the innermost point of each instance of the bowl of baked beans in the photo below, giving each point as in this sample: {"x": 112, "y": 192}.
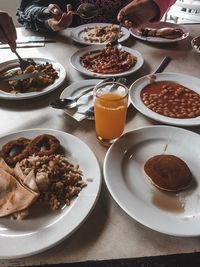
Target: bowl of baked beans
{"x": 168, "y": 97}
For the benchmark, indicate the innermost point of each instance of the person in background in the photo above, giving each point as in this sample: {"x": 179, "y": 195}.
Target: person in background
{"x": 8, "y": 33}
{"x": 132, "y": 13}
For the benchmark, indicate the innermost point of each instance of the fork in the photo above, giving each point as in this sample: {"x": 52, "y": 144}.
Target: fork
{"x": 115, "y": 41}
{"x": 22, "y": 62}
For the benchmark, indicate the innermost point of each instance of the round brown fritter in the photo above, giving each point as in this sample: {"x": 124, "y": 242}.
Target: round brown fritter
{"x": 168, "y": 172}
{"x": 15, "y": 150}
{"x": 44, "y": 145}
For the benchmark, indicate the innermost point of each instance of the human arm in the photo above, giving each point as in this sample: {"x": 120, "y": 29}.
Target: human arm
{"x": 7, "y": 30}
{"x": 139, "y": 12}
{"x": 30, "y": 15}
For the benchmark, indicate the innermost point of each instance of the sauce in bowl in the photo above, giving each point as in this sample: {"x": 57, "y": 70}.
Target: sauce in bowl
{"x": 171, "y": 99}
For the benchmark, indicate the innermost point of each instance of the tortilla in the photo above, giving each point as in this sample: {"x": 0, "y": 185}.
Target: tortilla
{"x": 13, "y": 195}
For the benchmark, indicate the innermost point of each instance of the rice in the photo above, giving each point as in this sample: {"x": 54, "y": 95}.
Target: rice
{"x": 58, "y": 180}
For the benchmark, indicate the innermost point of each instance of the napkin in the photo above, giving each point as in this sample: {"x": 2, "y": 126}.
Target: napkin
{"x": 83, "y": 104}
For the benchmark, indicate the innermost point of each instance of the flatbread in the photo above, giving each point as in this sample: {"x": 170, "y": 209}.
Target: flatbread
{"x": 28, "y": 180}
{"x": 13, "y": 195}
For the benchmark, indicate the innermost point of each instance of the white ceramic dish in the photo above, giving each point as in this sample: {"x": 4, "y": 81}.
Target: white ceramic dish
{"x": 43, "y": 228}
{"x": 76, "y": 88}
{"x": 191, "y": 82}
{"x": 78, "y": 33}
{"x": 160, "y": 25}
{"x": 175, "y": 214}
{"x": 48, "y": 89}
{"x": 75, "y": 61}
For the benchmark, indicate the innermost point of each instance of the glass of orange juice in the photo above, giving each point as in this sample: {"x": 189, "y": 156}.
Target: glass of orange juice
{"x": 110, "y": 108}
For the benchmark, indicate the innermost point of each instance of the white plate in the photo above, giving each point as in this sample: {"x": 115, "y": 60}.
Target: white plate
{"x": 44, "y": 228}
{"x": 75, "y": 61}
{"x": 175, "y": 214}
{"x": 78, "y": 33}
{"x": 76, "y": 88}
{"x": 160, "y": 25}
{"x": 85, "y": 101}
{"x": 191, "y": 82}
{"x": 48, "y": 89}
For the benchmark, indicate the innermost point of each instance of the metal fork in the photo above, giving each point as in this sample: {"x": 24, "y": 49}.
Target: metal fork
{"x": 22, "y": 62}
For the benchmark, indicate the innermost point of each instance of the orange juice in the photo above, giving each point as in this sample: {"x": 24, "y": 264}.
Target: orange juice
{"x": 110, "y": 115}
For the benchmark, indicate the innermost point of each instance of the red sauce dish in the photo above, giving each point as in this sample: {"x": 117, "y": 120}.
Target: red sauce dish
{"x": 171, "y": 99}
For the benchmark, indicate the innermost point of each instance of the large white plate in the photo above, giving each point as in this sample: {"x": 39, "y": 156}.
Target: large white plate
{"x": 75, "y": 61}
{"x": 48, "y": 89}
{"x": 160, "y": 25}
{"x": 191, "y": 82}
{"x": 174, "y": 214}
{"x": 45, "y": 229}
{"x": 78, "y": 33}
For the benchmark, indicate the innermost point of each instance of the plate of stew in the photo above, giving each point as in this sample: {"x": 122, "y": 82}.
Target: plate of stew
{"x": 106, "y": 61}
{"x": 171, "y": 98}
{"x": 54, "y": 76}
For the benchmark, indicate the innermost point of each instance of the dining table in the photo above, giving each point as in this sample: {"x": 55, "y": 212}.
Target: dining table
{"x": 108, "y": 232}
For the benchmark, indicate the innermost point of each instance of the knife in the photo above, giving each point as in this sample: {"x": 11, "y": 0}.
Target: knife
{"x": 21, "y": 76}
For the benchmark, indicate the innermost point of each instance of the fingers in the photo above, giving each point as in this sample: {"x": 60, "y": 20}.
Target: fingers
{"x": 63, "y": 23}
{"x": 65, "y": 20}
{"x": 7, "y": 32}
{"x": 69, "y": 8}
{"x": 131, "y": 16}
{"x": 60, "y": 21}
{"x": 54, "y": 9}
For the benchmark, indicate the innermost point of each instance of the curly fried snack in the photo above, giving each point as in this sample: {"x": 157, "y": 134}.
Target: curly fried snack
{"x": 44, "y": 145}
{"x": 15, "y": 150}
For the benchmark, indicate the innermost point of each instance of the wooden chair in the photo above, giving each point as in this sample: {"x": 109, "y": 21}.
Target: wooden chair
{"x": 184, "y": 11}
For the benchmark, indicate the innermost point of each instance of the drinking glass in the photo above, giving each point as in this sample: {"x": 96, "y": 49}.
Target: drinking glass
{"x": 110, "y": 108}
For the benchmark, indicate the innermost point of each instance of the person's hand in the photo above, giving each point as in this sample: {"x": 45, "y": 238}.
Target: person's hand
{"x": 138, "y": 12}
{"x": 8, "y": 33}
{"x": 60, "y": 20}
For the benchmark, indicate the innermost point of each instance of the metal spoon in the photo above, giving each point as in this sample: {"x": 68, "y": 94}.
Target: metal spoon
{"x": 71, "y": 102}
{"x": 85, "y": 11}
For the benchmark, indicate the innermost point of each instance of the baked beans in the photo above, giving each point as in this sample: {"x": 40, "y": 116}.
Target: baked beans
{"x": 171, "y": 99}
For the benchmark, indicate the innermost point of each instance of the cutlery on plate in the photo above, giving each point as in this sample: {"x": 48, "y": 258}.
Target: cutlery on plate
{"x": 115, "y": 42}
{"x": 21, "y": 76}
{"x": 85, "y": 11}
{"x": 71, "y": 102}
{"x": 22, "y": 62}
